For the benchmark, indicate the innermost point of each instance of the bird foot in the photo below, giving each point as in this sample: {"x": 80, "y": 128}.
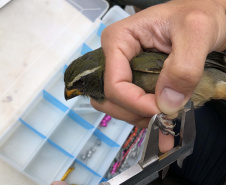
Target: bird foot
{"x": 166, "y": 125}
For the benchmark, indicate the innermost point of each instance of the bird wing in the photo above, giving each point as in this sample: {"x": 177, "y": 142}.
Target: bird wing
{"x": 152, "y": 62}
{"x": 148, "y": 62}
{"x": 216, "y": 60}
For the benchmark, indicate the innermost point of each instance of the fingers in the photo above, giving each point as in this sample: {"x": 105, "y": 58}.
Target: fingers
{"x": 166, "y": 142}
{"x": 187, "y": 29}
{"x": 120, "y": 113}
{"x": 118, "y": 87}
{"x": 191, "y": 41}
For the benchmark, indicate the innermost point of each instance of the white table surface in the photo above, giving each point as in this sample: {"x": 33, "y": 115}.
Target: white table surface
{"x": 36, "y": 38}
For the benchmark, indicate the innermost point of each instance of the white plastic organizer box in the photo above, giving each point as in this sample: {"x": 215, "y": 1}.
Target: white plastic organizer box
{"x": 52, "y": 134}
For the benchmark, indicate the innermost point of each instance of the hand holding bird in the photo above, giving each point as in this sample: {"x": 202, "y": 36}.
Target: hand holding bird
{"x": 85, "y": 76}
{"x": 188, "y": 36}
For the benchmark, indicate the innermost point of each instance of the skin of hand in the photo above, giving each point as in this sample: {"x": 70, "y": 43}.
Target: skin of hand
{"x": 187, "y": 30}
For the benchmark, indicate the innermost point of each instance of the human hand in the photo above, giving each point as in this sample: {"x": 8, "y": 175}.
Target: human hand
{"x": 188, "y": 30}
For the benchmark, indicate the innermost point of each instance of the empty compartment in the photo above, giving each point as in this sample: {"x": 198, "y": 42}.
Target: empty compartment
{"x": 70, "y": 135}
{"x": 43, "y": 115}
{"x": 19, "y": 144}
{"x": 83, "y": 103}
{"x": 115, "y": 14}
{"x": 117, "y": 130}
{"x": 47, "y": 162}
{"x": 98, "y": 153}
{"x": 94, "y": 40}
{"x": 76, "y": 54}
{"x": 83, "y": 108}
{"x": 82, "y": 175}
{"x": 56, "y": 88}
{"x": 83, "y": 49}
{"x": 91, "y": 9}
{"x": 92, "y": 116}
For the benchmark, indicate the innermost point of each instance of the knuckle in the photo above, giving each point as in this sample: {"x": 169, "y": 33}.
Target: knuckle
{"x": 105, "y": 33}
{"x": 108, "y": 93}
{"x": 95, "y": 105}
{"x": 111, "y": 90}
{"x": 141, "y": 123}
{"x": 134, "y": 119}
{"x": 130, "y": 118}
{"x": 186, "y": 77}
{"x": 106, "y": 30}
{"x": 113, "y": 30}
{"x": 199, "y": 20}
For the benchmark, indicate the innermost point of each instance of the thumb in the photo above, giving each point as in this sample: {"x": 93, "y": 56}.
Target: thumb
{"x": 180, "y": 75}
{"x": 177, "y": 81}
{"x": 192, "y": 39}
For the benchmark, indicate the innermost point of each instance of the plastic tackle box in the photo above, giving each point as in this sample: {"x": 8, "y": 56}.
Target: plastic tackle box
{"x": 52, "y": 134}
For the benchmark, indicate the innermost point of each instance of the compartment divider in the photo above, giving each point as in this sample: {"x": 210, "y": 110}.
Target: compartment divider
{"x": 102, "y": 169}
{"x": 54, "y": 101}
{"x": 56, "y": 125}
{"x": 32, "y": 129}
{"x": 32, "y": 157}
{"x": 59, "y": 148}
{"x": 65, "y": 67}
{"x": 124, "y": 134}
{"x": 78, "y": 148}
{"x": 99, "y": 120}
{"x": 80, "y": 120}
{"x": 88, "y": 110}
{"x": 101, "y": 28}
{"x": 66, "y": 154}
{"x": 85, "y": 49}
{"x": 86, "y": 167}
{"x": 105, "y": 138}
{"x": 65, "y": 164}
{"x": 103, "y": 180}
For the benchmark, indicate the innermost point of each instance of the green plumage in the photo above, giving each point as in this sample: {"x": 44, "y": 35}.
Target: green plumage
{"x": 90, "y": 85}
{"x": 145, "y": 69}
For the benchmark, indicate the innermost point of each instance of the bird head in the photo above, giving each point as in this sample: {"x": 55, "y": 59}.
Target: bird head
{"x": 84, "y": 76}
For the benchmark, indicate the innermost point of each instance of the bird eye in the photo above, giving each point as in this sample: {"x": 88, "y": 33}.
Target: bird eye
{"x": 69, "y": 87}
{"x": 79, "y": 83}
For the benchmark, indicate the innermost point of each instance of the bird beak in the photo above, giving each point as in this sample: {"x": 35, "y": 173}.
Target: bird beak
{"x": 68, "y": 94}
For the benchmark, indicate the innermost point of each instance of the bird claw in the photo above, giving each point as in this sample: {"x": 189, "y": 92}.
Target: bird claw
{"x": 166, "y": 125}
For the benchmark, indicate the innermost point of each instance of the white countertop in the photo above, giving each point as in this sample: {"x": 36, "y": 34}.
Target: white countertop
{"x": 36, "y": 39}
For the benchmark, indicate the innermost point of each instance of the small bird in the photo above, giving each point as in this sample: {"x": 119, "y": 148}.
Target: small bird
{"x": 85, "y": 76}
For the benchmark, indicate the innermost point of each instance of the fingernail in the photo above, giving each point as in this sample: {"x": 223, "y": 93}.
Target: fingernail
{"x": 170, "y": 101}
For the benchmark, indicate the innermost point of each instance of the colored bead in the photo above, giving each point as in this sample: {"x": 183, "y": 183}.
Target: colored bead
{"x": 105, "y": 120}
{"x": 104, "y": 124}
{"x": 67, "y": 173}
{"x": 141, "y": 140}
{"x": 114, "y": 168}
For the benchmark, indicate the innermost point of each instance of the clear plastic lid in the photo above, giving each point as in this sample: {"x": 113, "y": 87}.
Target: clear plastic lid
{"x": 37, "y": 37}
